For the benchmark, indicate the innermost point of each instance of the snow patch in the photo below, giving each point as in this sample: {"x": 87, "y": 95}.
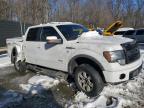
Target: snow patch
{"x": 90, "y": 34}
{"x": 4, "y": 60}
{"x": 82, "y": 101}
{"x": 129, "y": 94}
{"x": 38, "y": 83}
{"x": 5, "y": 65}
{"x": 99, "y": 103}
{"x": 80, "y": 96}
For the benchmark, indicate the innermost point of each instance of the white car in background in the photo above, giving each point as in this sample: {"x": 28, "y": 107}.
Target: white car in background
{"x": 121, "y": 31}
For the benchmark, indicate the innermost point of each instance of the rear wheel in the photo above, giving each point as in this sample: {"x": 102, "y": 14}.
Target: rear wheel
{"x": 18, "y": 64}
{"x": 88, "y": 80}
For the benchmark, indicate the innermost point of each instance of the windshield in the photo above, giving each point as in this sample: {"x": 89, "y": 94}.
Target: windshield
{"x": 72, "y": 32}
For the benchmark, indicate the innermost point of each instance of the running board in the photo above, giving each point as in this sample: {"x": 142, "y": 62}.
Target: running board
{"x": 48, "y": 72}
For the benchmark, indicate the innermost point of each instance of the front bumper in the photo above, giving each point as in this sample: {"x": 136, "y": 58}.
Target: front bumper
{"x": 135, "y": 72}
{"x": 123, "y": 75}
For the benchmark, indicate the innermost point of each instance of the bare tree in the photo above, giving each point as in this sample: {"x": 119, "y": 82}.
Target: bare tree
{"x": 139, "y": 14}
{"x": 97, "y": 12}
{"x": 4, "y": 10}
{"x": 39, "y": 11}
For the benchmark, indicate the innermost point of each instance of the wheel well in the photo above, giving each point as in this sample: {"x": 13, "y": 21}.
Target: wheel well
{"x": 14, "y": 52}
{"x": 84, "y": 60}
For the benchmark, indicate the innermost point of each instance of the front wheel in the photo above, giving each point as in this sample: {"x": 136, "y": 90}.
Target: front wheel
{"x": 88, "y": 80}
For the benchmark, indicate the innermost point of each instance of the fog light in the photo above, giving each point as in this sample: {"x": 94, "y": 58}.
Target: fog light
{"x": 122, "y": 76}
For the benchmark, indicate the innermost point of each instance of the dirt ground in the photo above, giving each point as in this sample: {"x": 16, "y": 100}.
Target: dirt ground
{"x": 55, "y": 97}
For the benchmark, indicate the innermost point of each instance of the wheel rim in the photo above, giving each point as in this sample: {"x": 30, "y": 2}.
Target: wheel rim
{"x": 85, "y": 81}
{"x": 17, "y": 63}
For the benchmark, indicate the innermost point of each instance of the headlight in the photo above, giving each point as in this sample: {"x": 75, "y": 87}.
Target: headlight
{"x": 115, "y": 56}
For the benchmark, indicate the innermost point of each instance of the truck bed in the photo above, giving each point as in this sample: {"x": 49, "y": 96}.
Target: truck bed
{"x": 13, "y": 42}
{"x": 17, "y": 39}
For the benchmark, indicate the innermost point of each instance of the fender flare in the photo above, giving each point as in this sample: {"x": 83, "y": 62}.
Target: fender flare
{"x": 18, "y": 50}
{"x": 72, "y": 62}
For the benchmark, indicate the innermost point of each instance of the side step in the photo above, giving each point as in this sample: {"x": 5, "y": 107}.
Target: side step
{"x": 48, "y": 72}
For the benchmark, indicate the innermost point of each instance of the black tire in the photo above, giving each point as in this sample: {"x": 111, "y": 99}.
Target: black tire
{"x": 19, "y": 66}
{"x": 95, "y": 83}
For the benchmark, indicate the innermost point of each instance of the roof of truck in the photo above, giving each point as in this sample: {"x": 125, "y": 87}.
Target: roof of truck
{"x": 52, "y": 24}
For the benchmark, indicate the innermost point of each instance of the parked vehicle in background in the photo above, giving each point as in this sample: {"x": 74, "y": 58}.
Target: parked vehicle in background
{"x": 88, "y": 57}
{"x": 137, "y": 35}
{"x": 122, "y": 31}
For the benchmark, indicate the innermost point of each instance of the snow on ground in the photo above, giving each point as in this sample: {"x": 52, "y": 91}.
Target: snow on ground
{"x": 38, "y": 83}
{"x": 142, "y": 53}
{"x": 125, "y": 95}
{"x": 35, "y": 85}
{"x": 82, "y": 101}
{"x": 8, "y": 97}
{"x": 4, "y": 60}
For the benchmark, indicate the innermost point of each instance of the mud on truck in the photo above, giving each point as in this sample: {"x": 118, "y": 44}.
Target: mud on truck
{"x": 91, "y": 59}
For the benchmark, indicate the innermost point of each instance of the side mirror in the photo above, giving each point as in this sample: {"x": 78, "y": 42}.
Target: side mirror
{"x": 53, "y": 40}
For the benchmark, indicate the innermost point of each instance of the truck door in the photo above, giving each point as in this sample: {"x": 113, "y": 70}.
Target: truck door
{"x": 31, "y": 45}
{"x": 51, "y": 55}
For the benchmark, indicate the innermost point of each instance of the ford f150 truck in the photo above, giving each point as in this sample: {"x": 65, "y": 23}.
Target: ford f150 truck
{"x": 88, "y": 57}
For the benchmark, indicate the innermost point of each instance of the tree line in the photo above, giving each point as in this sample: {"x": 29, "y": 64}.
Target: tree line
{"x": 100, "y": 13}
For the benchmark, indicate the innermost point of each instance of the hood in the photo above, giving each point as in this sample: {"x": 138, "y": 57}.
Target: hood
{"x": 95, "y": 37}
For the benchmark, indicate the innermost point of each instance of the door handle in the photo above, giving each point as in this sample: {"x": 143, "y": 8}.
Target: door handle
{"x": 70, "y": 48}
{"x": 38, "y": 47}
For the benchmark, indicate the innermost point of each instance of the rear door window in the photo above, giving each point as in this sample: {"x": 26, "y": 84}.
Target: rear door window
{"x": 34, "y": 34}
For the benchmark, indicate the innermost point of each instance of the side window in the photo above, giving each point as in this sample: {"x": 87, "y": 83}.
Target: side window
{"x": 49, "y": 31}
{"x": 130, "y": 32}
{"x": 34, "y": 34}
{"x": 140, "y": 36}
{"x": 140, "y": 32}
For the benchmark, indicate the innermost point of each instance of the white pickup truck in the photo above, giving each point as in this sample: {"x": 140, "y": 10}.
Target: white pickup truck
{"x": 88, "y": 57}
